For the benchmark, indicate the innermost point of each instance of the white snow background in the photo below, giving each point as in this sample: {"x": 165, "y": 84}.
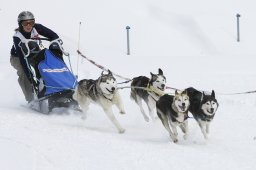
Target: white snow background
{"x": 194, "y": 42}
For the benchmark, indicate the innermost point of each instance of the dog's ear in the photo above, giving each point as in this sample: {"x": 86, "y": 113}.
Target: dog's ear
{"x": 176, "y": 92}
{"x": 185, "y": 92}
{"x": 102, "y": 72}
{"x": 110, "y": 73}
{"x": 160, "y": 72}
{"x": 152, "y": 76}
{"x": 213, "y": 94}
{"x": 203, "y": 94}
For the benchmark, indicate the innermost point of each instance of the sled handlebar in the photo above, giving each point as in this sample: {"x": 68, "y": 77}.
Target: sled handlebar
{"x": 60, "y": 42}
{"x": 25, "y": 47}
{"x": 39, "y": 38}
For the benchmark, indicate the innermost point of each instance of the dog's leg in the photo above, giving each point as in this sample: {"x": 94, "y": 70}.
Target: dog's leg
{"x": 151, "y": 106}
{"x": 139, "y": 102}
{"x": 202, "y": 125}
{"x": 82, "y": 101}
{"x": 207, "y": 127}
{"x": 118, "y": 102}
{"x": 111, "y": 116}
{"x": 184, "y": 128}
{"x": 173, "y": 133}
{"x": 165, "y": 122}
{"x": 174, "y": 128}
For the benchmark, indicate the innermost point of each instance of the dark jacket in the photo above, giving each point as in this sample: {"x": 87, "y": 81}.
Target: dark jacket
{"x": 16, "y": 51}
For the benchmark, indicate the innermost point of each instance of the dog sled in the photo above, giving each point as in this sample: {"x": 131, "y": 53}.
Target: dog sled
{"x": 52, "y": 80}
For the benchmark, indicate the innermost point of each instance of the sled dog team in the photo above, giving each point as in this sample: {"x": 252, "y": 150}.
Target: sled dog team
{"x": 171, "y": 109}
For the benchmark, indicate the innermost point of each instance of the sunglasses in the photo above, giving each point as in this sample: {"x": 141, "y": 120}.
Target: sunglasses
{"x": 26, "y": 23}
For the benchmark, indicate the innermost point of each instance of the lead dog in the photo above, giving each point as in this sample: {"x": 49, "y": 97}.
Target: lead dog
{"x": 103, "y": 92}
{"x": 173, "y": 112}
{"x": 148, "y": 90}
{"x": 203, "y": 108}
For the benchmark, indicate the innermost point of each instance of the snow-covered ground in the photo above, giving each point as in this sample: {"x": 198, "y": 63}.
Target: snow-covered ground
{"x": 193, "y": 42}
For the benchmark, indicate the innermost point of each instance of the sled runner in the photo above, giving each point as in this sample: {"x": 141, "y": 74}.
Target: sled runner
{"x": 53, "y": 82}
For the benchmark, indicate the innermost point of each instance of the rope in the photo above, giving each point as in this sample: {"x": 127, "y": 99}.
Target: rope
{"x": 172, "y": 88}
{"x": 167, "y": 87}
{"x": 125, "y": 82}
{"x": 143, "y": 88}
{"x": 236, "y": 93}
{"x": 134, "y": 87}
{"x": 105, "y": 69}
{"x": 247, "y": 92}
{"x": 100, "y": 66}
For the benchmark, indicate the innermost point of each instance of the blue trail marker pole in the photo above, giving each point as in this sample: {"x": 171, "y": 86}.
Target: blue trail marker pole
{"x": 128, "y": 40}
{"x": 238, "y": 29}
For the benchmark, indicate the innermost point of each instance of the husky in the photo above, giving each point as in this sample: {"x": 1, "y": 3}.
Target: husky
{"x": 103, "y": 92}
{"x": 203, "y": 108}
{"x": 173, "y": 112}
{"x": 149, "y": 90}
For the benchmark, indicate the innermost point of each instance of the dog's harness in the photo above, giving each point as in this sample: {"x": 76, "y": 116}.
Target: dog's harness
{"x": 106, "y": 97}
{"x": 205, "y": 117}
{"x": 95, "y": 93}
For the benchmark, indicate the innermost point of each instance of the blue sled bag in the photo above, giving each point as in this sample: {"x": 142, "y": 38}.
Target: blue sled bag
{"x": 56, "y": 75}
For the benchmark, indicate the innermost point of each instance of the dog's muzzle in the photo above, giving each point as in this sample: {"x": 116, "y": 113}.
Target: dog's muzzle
{"x": 211, "y": 111}
{"x": 112, "y": 90}
{"x": 162, "y": 87}
{"x": 183, "y": 107}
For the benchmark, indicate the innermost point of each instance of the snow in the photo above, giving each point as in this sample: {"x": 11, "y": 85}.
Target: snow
{"x": 193, "y": 42}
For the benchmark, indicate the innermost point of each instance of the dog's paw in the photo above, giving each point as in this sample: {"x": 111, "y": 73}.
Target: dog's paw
{"x": 146, "y": 119}
{"x": 156, "y": 118}
{"x": 122, "y": 112}
{"x": 175, "y": 140}
{"x": 185, "y": 137}
{"x": 83, "y": 117}
{"x": 121, "y": 131}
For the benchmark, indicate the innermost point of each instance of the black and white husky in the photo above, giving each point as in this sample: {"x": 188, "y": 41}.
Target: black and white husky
{"x": 102, "y": 91}
{"x": 203, "y": 108}
{"x": 148, "y": 90}
{"x": 173, "y": 112}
